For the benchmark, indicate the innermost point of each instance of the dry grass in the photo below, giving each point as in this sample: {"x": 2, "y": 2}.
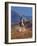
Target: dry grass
{"x": 24, "y": 33}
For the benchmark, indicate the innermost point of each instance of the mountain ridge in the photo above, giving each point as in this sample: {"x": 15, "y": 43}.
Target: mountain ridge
{"x": 15, "y": 17}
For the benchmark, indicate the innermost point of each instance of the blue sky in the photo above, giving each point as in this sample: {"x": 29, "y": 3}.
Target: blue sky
{"x": 23, "y": 10}
{"x": 26, "y": 11}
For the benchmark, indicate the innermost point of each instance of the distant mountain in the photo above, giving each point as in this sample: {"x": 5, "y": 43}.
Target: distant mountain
{"x": 27, "y": 17}
{"x": 15, "y": 17}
